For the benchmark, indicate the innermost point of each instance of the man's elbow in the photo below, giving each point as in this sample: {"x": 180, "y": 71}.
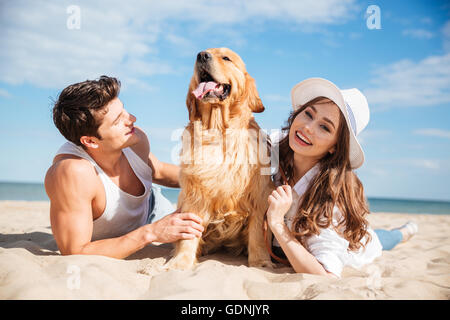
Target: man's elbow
{"x": 331, "y": 275}
{"x": 69, "y": 251}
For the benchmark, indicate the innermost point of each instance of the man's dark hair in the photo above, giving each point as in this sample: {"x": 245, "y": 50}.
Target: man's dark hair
{"x": 77, "y": 112}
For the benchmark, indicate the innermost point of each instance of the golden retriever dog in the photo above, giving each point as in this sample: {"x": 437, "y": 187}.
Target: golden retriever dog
{"x": 222, "y": 177}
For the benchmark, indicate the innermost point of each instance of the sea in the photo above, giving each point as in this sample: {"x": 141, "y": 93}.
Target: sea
{"x": 36, "y": 192}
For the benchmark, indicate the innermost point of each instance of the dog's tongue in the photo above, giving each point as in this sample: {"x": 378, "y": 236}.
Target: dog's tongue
{"x": 203, "y": 88}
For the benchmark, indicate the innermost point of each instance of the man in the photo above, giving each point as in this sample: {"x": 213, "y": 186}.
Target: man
{"x": 100, "y": 183}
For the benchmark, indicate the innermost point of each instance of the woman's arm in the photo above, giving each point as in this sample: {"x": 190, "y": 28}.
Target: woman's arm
{"x": 301, "y": 260}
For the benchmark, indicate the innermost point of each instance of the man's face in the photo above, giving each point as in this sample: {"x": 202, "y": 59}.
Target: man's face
{"x": 117, "y": 128}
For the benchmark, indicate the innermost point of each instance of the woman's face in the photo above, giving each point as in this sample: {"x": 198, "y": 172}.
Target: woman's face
{"x": 313, "y": 133}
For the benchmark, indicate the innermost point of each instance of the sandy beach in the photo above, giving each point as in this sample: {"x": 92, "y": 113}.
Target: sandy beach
{"x": 31, "y": 267}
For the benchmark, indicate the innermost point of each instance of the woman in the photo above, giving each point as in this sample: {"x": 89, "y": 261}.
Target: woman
{"x": 321, "y": 225}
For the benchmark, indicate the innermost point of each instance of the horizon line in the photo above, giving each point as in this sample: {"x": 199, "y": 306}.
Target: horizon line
{"x": 168, "y": 188}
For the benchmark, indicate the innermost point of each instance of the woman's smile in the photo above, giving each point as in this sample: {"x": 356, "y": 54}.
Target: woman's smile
{"x": 301, "y": 139}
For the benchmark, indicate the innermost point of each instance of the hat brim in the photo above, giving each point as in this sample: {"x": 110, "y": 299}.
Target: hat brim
{"x": 312, "y": 88}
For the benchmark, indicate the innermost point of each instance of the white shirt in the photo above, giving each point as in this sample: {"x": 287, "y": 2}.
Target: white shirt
{"x": 328, "y": 247}
{"x": 123, "y": 212}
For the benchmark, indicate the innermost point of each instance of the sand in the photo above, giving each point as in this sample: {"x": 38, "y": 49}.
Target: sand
{"x": 31, "y": 267}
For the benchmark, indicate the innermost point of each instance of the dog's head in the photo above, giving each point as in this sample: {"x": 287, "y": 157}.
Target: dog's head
{"x": 221, "y": 84}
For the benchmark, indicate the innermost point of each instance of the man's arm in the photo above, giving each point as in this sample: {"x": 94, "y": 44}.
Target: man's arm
{"x": 163, "y": 173}
{"x": 71, "y": 186}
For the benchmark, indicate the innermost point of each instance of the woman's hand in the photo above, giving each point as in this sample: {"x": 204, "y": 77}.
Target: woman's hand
{"x": 279, "y": 203}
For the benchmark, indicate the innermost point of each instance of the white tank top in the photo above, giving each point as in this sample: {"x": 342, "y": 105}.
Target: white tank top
{"x": 123, "y": 212}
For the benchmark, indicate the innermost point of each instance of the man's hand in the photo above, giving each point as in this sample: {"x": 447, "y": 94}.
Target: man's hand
{"x": 176, "y": 226}
{"x": 279, "y": 203}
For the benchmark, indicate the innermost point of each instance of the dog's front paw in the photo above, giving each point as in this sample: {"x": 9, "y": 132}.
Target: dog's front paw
{"x": 261, "y": 263}
{"x": 180, "y": 262}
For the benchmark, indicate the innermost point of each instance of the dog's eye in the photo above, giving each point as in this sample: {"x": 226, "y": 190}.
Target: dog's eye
{"x": 226, "y": 58}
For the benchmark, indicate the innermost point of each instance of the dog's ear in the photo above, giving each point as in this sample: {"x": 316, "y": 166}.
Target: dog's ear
{"x": 191, "y": 103}
{"x": 253, "y": 100}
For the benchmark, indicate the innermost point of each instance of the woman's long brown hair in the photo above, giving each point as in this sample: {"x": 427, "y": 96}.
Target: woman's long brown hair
{"x": 335, "y": 185}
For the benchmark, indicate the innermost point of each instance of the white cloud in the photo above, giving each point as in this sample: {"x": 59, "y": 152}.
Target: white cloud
{"x": 39, "y": 48}
{"x": 185, "y": 45}
{"x": 426, "y": 163}
{"x": 433, "y": 133}
{"x": 418, "y": 33}
{"x": 405, "y": 165}
{"x": 407, "y": 83}
{"x": 277, "y": 98}
{"x": 307, "y": 11}
{"x": 355, "y": 35}
{"x": 4, "y": 93}
{"x": 426, "y": 20}
{"x": 121, "y": 39}
{"x": 370, "y": 134}
{"x": 446, "y": 35}
{"x": 378, "y": 172}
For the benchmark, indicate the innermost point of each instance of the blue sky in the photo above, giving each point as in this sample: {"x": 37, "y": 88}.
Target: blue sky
{"x": 403, "y": 69}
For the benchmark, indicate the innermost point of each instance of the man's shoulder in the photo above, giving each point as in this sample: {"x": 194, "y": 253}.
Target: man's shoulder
{"x": 142, "y": 148}
{"x": 72, "y": 164}
{"x": 70, "y": 170}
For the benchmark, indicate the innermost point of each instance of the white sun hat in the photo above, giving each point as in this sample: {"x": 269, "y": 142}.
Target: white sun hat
{"x": 352, "y": 103}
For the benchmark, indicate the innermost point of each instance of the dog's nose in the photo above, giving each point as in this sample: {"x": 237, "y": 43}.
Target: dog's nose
{"x": 203, "y": 56}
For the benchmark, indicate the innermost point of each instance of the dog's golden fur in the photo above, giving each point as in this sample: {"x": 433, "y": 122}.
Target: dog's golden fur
{"x": 222, "y": 178}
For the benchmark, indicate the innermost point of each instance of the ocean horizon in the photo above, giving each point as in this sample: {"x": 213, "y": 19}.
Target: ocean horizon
{"x": 22, "y": 191}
